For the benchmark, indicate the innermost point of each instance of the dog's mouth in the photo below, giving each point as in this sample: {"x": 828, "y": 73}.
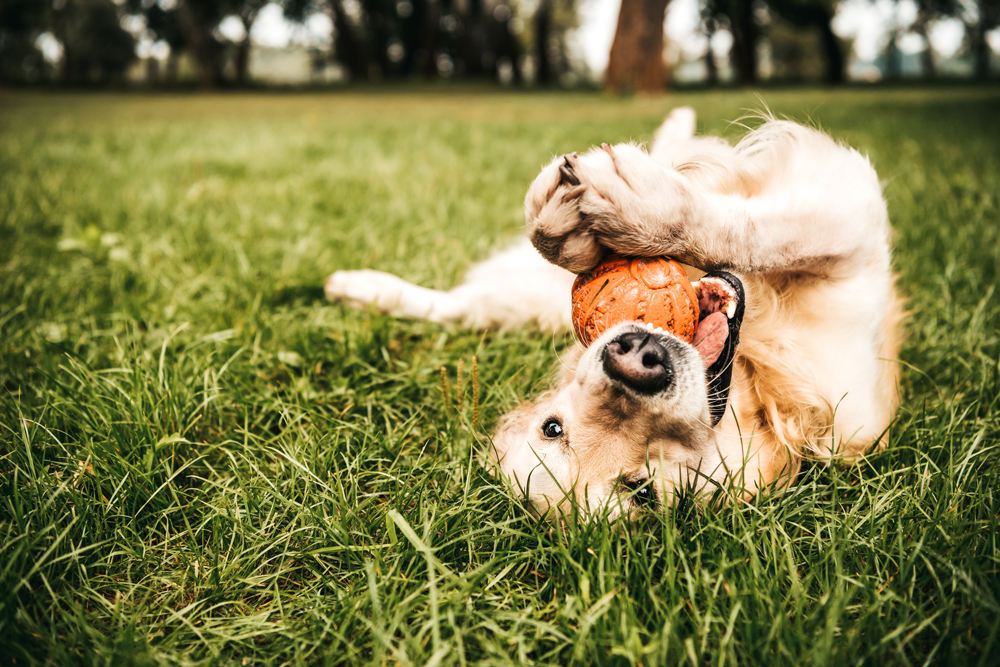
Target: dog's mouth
{"x": 640, "y": 357}
{"x": 722, "y": 302}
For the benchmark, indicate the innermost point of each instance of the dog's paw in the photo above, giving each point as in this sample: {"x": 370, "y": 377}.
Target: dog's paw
{"x": 610, "y": 197}
{"x": 556, "y": 226}
{"x": 366, "y": 288}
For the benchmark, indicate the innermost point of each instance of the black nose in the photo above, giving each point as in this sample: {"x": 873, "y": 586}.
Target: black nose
{"x": 639, "y": 361}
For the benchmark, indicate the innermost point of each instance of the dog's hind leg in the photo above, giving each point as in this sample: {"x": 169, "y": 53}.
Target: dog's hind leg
{"x": 392, "y": 295}
{"x": 676, "y": 129}
{"x": 675, "y": 143}
{"x": 514, "y": 287}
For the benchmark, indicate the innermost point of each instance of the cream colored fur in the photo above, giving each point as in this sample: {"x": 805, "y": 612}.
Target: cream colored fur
{"x": 798, "y": 217}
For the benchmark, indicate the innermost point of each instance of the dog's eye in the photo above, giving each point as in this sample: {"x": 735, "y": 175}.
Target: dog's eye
{"x": 642, "y": 491}
{"x": 552, "y": 428}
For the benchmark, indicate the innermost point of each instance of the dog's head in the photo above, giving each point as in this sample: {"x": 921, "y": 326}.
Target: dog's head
{"x": 633, "y": 418}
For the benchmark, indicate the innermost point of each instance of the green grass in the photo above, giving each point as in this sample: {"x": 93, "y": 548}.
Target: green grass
{"x": 202, "y": 462}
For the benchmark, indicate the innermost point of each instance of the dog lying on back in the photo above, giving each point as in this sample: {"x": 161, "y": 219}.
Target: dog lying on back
{"x": 792, "y": 225}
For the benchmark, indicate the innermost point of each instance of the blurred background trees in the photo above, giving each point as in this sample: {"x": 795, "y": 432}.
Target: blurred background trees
{"x": 476, "y": 39}
{"x": 93, "y": 46}
{"x": 211, "y": 43}
{"x": 980, "y": 18}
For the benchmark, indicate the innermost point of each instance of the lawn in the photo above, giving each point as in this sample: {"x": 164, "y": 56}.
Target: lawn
{"x": 203, "y": 462}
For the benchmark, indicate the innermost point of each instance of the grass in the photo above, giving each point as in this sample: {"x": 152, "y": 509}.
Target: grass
{"x": 202, "y": 462}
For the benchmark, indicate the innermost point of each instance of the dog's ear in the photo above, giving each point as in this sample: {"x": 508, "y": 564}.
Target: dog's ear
{"x": 733, "y": 304}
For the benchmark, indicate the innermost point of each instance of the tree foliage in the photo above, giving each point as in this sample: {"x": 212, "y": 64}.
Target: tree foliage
{"x": 192, "y": 26}
{"x": 21, "y": 21}
{"x": 95, "y": 47}
{"x": 805, "y": 20}
{"x": 392, "y": 39}
{"x": 979, "y": 17}
{"x": 816, "y": 14}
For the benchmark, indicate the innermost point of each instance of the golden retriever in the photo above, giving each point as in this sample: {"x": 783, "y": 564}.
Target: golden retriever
{"x": 793, "y": 232}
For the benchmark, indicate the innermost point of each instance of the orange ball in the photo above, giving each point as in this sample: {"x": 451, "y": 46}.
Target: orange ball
{"x": 653, "y": 290}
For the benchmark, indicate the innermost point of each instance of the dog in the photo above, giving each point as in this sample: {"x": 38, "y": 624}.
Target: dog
{"x": 786, "y": 234}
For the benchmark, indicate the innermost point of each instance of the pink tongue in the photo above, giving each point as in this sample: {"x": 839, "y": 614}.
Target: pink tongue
{"x": 711, "y": 337}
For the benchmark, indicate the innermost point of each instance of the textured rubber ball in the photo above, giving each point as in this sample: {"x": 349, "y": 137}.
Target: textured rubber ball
{"x": 653, "y": 290}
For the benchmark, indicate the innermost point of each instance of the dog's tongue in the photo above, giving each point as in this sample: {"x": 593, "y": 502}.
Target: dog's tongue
{"x": 711, "y": 337}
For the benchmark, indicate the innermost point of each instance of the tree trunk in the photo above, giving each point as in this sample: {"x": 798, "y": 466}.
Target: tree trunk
{"x": 248, "y": 15}
{"x": 469, "y": 48}
{"x": 543, "y": 28}
{"x": 202, "y": 44}
{"x": 379, "y": 35}
{"x": 988, "y": 19}
{"x": 173, "y": 65}
{"x": 834, "y": 58}
{"x": 430, "y": 37}
{"x": 980, "y": 52}
{"x": 152, "y": 71}
{"x": 711, "y": 69}
{"x": 65, "y": 67}
{"x": 635, "y": 64}
{"x": 893, "y": 66}
{"x": 831, "y": 48}
{"x": 349, "y": 49}
{"x": 927, "y": 54}
{"x": 744, "y": 51}
{"x": 806, "y": 14}
{"x": 508, "y": 47}
{"x": 243, "y": 61}
{"x": 513, "y": 48}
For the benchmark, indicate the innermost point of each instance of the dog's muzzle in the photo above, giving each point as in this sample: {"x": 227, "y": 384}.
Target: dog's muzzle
{"x": 639, "y": 361}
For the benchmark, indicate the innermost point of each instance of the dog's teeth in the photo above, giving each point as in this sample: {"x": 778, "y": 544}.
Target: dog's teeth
{"x": 731, "y": 298}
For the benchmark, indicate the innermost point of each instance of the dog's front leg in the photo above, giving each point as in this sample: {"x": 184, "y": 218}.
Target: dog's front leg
{"x": 795, "y": 202}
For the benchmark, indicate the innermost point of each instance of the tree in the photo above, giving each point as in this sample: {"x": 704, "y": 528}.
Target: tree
{"x": 710, "y": 23}
{"x": 198, "y": 19}
{"x": 21, "y": 22}
{"x": 96, "y": 49}
{"x": 403, "y": 38}
{"x": 549, "y": 25}
{"x": 980, "y": 17}
{"x": 635, "y": 63}
{"x": 247, "y": 13}
{"x": 819, "y": 14}
{"x": 928, "y": 11}
{"x": 350, "y": 48}
{"x": 743, "y": 25}
{"x": 165, "y": 26}
{"x": 542, "y": 24}
{"x": 192, "y": 25}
